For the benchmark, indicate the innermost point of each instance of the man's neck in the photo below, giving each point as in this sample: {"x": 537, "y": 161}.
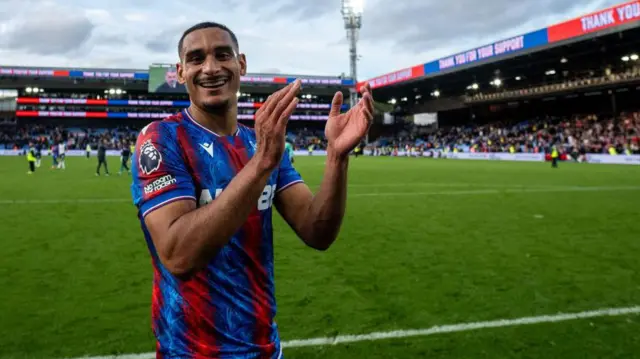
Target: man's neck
{"x": 223, "y": 124}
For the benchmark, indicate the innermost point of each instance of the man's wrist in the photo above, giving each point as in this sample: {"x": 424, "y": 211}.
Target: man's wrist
{"x": 261, "y": 166}
{"x": 335, "y": 158}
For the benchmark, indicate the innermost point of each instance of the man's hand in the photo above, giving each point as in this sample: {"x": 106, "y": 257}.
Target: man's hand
{"x": 271, "y": 124}
{"x": 345, "y": 131}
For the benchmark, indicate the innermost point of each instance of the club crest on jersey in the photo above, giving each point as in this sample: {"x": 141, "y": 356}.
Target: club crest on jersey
{"x": 150, "y": 158}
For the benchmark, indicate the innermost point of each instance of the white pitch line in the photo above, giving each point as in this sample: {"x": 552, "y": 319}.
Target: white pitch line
{"x": 448, "y": 184}
{"x": 438, "y": 329}
{"x": 430, "y": 193}
{"x": 496, "y": 191}
{"x": 372, "y": 194}
{"x": 453, "y": 328}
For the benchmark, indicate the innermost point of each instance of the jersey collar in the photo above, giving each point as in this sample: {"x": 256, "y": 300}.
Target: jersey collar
{"x": 187, "y": 115}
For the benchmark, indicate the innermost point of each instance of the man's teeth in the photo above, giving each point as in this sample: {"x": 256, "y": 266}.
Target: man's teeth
{"x": 215, "y": 83}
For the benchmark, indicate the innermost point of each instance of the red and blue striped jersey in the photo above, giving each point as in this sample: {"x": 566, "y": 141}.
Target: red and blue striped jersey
{"x": 227, "y": 309}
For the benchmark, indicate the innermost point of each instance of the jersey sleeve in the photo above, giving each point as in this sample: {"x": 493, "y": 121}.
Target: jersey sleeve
{"x": 287, "y": 175}
{"x": 159, "y": 173}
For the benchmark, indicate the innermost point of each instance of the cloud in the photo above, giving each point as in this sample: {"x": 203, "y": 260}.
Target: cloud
{"x": 4, "y": 14}
{"x": 290, "y": 36}
{"x": 109, "y": 39}
{"x": 163, "y": 42}
{"x": 136, "y": 17}
{"x": 303, "y": 10}
{"x": 99, "y": 16}
{"x": 417, "y": 25}
{"x": 48, "y": 31}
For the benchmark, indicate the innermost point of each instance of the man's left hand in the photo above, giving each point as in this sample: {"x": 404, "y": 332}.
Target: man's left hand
{"x": 345, "y": 130}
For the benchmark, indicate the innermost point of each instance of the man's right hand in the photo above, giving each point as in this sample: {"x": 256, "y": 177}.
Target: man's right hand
{"x": 271, "y": 125}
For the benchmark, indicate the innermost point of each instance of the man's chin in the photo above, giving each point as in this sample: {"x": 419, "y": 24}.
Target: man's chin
{"x": 216, "y": 104}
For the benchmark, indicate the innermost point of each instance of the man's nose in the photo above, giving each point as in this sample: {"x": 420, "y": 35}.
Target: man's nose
{"x": 211, "y": 65}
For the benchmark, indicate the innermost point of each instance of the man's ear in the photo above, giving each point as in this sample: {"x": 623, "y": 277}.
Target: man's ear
{"x": 242, "y": 60}
{"x": 180, "y": 70}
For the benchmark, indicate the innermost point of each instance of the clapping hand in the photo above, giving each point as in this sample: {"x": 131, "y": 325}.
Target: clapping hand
{"x": 345, "y": 130}
{"x": 271, "y": 124}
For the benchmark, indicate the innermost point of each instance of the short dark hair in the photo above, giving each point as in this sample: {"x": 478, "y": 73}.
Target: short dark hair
{"x": 206, "y": 25}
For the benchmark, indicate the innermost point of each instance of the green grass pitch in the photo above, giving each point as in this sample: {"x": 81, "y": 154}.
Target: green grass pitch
{"x": 425, "y": 242}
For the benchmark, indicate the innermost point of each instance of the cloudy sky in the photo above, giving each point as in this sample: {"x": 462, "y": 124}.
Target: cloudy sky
{"x": 282, "y": 36}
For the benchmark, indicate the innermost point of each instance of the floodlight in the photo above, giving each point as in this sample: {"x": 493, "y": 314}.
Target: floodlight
{"x": 352, "y": 7}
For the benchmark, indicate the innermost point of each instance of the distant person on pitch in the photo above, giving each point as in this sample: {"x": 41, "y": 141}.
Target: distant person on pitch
{"x": 554, "y": 156}
{"x": 205, "y": 186}
{"x": 62, "y": 153}
{"x": 38, "y": 153}
{"x": 124, "y": 158}
{"x": 31, "y": 158}
{"x": 54, "y": 156}
{"x": 102, "y": 158}
{"x": 288, "y": 147}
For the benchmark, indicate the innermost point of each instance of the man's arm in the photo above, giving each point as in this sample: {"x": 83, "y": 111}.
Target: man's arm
{"x": 187, "y": 238}
{"x": 317, "y": 219}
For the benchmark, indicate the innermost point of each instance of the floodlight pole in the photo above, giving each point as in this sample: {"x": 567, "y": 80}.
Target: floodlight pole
{"x": 352, "y": 23}
{"x": 352, "y": 36}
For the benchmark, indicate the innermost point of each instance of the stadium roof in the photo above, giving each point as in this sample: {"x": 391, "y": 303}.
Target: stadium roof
{"x": 613, "y": 19}
{"x": 569, "y": 62}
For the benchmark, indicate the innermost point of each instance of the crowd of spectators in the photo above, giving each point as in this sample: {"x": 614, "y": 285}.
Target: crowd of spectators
{"x": 580, "y": 134}
{"x": 75, "y": 138}
{"x": 13, "y": 138}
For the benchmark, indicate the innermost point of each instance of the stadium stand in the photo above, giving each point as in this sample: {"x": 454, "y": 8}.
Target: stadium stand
{"x": 86, "y": 106}
{"x": 569, "y": 85}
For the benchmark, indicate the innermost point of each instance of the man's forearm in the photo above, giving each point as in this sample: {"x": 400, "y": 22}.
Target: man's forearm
{"x": 326, "y": 211}
{"x": 199, "y": 234}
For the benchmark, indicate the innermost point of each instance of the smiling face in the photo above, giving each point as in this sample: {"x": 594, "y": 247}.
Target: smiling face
{"x": 210, "y": 68}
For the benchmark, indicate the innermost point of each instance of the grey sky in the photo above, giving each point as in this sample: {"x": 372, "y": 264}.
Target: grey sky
{"x": 290, "y": 36}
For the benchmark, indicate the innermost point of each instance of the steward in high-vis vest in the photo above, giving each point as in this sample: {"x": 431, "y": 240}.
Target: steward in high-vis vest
{"x": 554, "y": 157}
{"x": 31, "y": 158}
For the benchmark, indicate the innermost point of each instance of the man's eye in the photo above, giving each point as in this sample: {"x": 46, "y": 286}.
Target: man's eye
{"x": 196, "y": 59}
